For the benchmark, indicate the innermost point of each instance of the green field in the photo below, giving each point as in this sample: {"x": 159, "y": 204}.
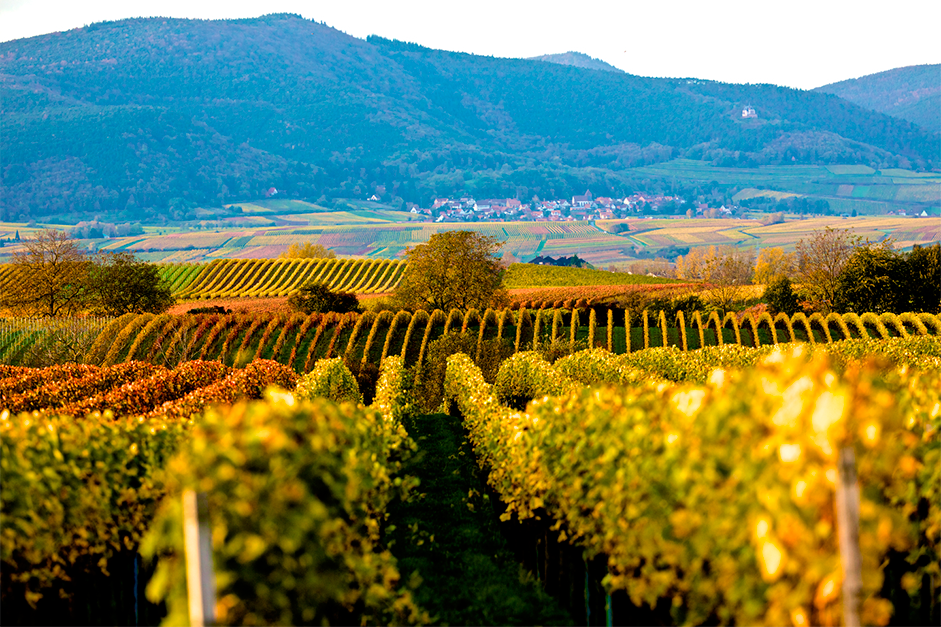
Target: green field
{"x": 845, "y": 187}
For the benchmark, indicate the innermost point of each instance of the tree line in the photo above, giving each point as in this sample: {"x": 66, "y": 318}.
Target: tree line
{"x": 832, "y": 270}
{"x": 54, "y": 277}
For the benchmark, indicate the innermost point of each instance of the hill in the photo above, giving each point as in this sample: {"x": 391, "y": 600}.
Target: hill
{"x": 577, "y": 59}
{"x": 910, "y": 93}
{"x": 147, "y": 119}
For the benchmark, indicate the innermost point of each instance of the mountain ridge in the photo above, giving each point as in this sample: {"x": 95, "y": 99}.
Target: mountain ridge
{"x": 151, "y": 117}
{"x": 910, "y": 93}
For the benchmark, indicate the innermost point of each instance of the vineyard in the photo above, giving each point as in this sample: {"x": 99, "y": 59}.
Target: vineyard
{"x": 266, "y": 278}
{"x": 655, "y": 471}
{"x": 299, "y": 341}
{"x": 718, "y": 498}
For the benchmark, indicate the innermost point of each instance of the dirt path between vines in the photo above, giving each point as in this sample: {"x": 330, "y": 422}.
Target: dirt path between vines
{"x": 448, "y": 533}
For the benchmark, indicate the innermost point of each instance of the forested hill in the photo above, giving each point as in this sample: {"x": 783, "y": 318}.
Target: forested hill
{"x": 151, "y": 117}
{"x": 577, "y": 59}
{"x": 911, "y": 93}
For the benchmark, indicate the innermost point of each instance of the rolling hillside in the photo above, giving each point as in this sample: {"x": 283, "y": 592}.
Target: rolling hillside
{"x": 910, "y": 93}
{"x": 147, "y": 119}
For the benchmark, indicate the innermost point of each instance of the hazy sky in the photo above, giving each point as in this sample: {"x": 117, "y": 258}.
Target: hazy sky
{"x": 798, "y": 43}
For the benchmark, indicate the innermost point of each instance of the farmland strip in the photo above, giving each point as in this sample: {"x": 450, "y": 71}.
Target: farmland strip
{"x": 349, "y": 265}
{"x": 251, "y": 278}
{"x": 245, "y": 267}
{"x": 311, "y": 270}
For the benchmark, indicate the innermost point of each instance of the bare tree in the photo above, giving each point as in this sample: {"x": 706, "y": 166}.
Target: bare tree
{"x": 820, "y": 260}
{"x": 728, "y": 271}
{"x": 50, "y": 277}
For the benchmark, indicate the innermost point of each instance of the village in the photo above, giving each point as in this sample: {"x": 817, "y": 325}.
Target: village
{"x": 580, "y": 207}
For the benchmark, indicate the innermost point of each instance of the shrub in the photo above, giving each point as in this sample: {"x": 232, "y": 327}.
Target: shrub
{"x": 240, "y": 384}
{"x": 75, "y": 494}
{"x": 148, "y": 391}
{"x": 366, "y": 374}
{"x": 210, "y": 309}
{"x": 525, "y": 376}
{"x": 780, "y": 297}
{"x": 320, "y": 298}
{"x": 58, "y": 392}
{"x": 394, "y": 390}
{"x": 555, "y": 350}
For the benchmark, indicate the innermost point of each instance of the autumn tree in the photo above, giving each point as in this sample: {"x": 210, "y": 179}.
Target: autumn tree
{"x": 49, "y": 278}
{"x": 726, "y": 270}
{"x": 690, "y": 265}
{"x": 772, "y": 265}
{"x": 820, "y": 260}
{"x": 308, "y": 250}
{"x": 455, "y": 269}
{"x": 119, "y": 283}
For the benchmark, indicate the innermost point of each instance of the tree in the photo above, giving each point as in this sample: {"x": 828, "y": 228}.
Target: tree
{"x": 780, "y": 296}
{"x": 49, "y": 278}
{"x": 308, "y": 251}
{"x": 319, "y": 298}
{"x": 119, "y": 283}
{"x": 924, "y": 278}
{"x": 820, "y": 260}
{"x": 727, "y": 270}
{"x": 772, "y": 264}
{"x": 455, "y": 269}
{"x": 872, "y": 279}
{"x": 690, "y": 265}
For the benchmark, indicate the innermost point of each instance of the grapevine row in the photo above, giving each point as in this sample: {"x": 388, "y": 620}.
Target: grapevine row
{"x": 262, "y": 278}
{"x": 718, "y": 498}
{"x": 80, "y": 493}
{"x": 299, "y": 341}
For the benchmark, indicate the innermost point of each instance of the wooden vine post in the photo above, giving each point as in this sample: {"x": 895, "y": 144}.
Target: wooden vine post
{"x": 847, "y": 518}
{"x": 200, "y": 582}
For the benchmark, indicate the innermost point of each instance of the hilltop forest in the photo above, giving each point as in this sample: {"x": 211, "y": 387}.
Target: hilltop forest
{"x": 149, "y": 118}
{"x": 911, "y": 93}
